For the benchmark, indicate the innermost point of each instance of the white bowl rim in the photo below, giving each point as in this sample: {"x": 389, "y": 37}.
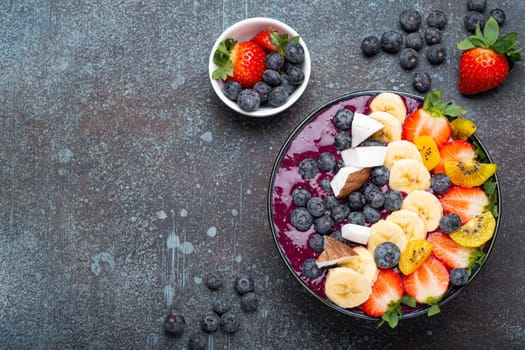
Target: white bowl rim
{"x": 266, "y": 22}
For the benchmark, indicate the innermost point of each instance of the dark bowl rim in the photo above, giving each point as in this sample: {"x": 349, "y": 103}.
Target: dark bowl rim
{"x": 451, "y": 293}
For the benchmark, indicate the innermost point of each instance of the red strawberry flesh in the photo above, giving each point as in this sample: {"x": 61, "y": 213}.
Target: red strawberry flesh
{"x": 466, "y": 202}
{"x": 456, "y": 151}
{"x": 387, "y": 288}
{"x": 429, "y": 282}
{"x": 422, "y": 122}
{"x": 450, "y": 253}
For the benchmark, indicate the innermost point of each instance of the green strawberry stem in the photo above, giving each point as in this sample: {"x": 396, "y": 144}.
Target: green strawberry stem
{"x": 490, "y": 39}
{"x": 280, "y": 41}
{"x": 221, "y": 58}
{"x": 436, "y": 108}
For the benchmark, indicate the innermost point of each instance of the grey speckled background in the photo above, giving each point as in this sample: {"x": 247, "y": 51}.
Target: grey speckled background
{"x": 123, "y": 179}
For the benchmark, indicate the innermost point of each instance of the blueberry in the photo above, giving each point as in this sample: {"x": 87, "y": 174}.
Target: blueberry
{"x": 342, "y": 140}
{"x": 375, "y": 199}
{"x": 437, "y": 19}
{"x": 210, "y": 322}
{"x": 220, "y": 305}
{"x": 379, "y": 175}
{"x": 330, "y": 202}
{"x": 499, "y": 15}
{"x": 301, "y": 196}
{"x": 356, "y": 200}
{"x": 414, "y": 41}
{"x": 440, "y": 183}
{"x": 263, "y": 90}
{"x": 393, "y": 200}
{"x": 288, "y": 64}
{"x": 272, "y": 77}
{"x": 372, "y": 215}
{"x": 232, "y": 89}
{"x": 230, "y": 322}
{"x": 343, "y": 119}
{"x": 308, "y": 168}
{"x": 316, "y": 207}
{"x": 294, "y": 52}
{"x": 386, "y": 255}
{"x": 310, "y": 270}
{"x": 274, "y": 60}
{"x": 301, "y": 219}
{"x": 324, "y": 224}
{"x": 326, "y": 162}
{"x": 459, "y": 277}
{"x": 278, "y": 96}
{"x": 408, "y": 59}
{"x": 369, "y": 187}
{"x": 421, "y": 81}
{"x": 391, "y": 41}
{"x": 326, "y": 185}
{"x": 370, "y": 46}
{"x": 340, "y": 212}
{"x": 316, "y": 242}
{"x": 369, "y": 142}
{"x": 356, "y": 218}
{"x": 339, "y": 236}
{"x": 410, "y": 20}
{"x": 249, "y": 302}
{"x": 174, "y": 323}
{"x": 476, "y": 5}
{"x": 244, "y": 284}
{"x": 197, "y": 341}
{"x": 472, "y": 19}
{"x": 432, "y": 36}
{"x": 248, "y": 100}
{"x": 285, "y": 83}
{"x": 338, "y": 165}
{"x": 214, "y": 280}
{"x": 449, "y": 223}
{"x": 436, "y": 54}
{"x": 295, "y": 75}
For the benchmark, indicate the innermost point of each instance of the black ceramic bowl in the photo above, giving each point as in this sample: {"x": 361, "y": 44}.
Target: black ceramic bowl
{"x": 312, "y": 136}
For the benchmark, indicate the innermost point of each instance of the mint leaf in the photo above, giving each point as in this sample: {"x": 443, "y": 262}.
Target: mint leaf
{"x": 408, "y": 300}
{"x": 491, "y": 31}
{"x": 476, "y": 258}
{"x": 433, "y": 310}
{"x": 454, "y": 111}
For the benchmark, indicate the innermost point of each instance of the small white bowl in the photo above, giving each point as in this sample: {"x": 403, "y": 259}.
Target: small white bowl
{"x": 243, "y": 31}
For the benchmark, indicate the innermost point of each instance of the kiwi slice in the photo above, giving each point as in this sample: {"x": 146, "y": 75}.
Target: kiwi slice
{"x": 476, "y": 231}
{"x": 469, "y": 173}
{"x": 429, "y": 151}
{"x": 462, "y": 129}
{"x": 414, "y": 255}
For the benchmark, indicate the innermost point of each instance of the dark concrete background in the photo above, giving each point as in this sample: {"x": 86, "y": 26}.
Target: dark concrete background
{"x": 123, "y": 179}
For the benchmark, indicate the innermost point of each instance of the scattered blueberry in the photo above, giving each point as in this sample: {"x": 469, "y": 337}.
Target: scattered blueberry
{"x": 174, "y": 324}
{"x": 421, "y": 81}
{"x": 375, "y": 199}
{"x": 275, "y": 61}
{"x": 343, "y": 119}
{"x": 214, "y": 280}
{"x": 472, "y": 19}
{"x": 449, "y": 223}
{"x": 330, "y": 202}
{"x": 220, "y": 305}
{"x": 263, "y": 89}
{"x": 356, "y": 200}
{"x": 324, "y": 224}
{"x": 372, "y": 215}
{"x": 342, "y": 140}
{"x": 310, "y": 269}
{"x": 440, "y": 183}
{"x": 294, "y": 52}
{"x": 316, "y": 207}
{"x": 301, "y": 196}
{"x": 308, "y": 168}
{"x": 476, "y": 5}
{"x": 249, "y": 302}
{"x": 414, "y": 41}
{"x": 379, "y": 175}
{"x": 231, "y": 89}
{"x": 386, "y": 255}
{"x": 301, "y": 219}
{"x": 316, "y": 242}
{"x": 437, "y": 19}
{"x": 393, "y": 200}
{"x": 229, "y": 322}
{"x": 210, "y": 322}
{"x": 432, "y": 35}
{"x": 436, "y": 54}
{"x": 391, "y": 41}
{"x": 410, "y": 20}
{"x": 272, "y": 77}
{"x": 499, "y": 15}
{"x": 340, "y": 212}
{"x": 370, "y": 46}
{"x": 459, "y": 277}
{"x": 408, "y": 58}
{"x": 356, "y": 218}
{"x": 244, "y": 284}
{"x": 248, "y": 100}
{"x": 197, "y": 341}
{"x": 278, "y": 96}
{"x": 295, "y": 75}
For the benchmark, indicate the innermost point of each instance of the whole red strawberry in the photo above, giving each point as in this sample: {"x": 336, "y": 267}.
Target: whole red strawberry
{"x": 242, "y": 61}
{"x": 484, "y": 63}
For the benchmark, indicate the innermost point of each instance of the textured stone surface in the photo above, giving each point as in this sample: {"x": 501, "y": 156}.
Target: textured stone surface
{"x": 123, "y": 179}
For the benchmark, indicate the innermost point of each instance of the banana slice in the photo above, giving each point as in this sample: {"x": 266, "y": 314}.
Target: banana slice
{"x": 426, "y": 205}
{"x": 412, "y": 225}
{"x": 386, "y": 231}
{"x": 408, "y": 175}
{"x": 346, "y": 287}
{"x": 392, "y": 127}
{"x": 401, "y": 149}
{"x": 363, "y": 263}
{"x": 391, "y": 103}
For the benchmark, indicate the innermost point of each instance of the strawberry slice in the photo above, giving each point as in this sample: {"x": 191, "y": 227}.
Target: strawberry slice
{"x": 386, "y": 291}
{"x": 428, "y": 283}
{"x": 456, "y": 151}
{"x": 466, "y": 202}
{"x": 431, "y": 119}
{"x": 450, "y": 253}
{"x": 273, "y": 41}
